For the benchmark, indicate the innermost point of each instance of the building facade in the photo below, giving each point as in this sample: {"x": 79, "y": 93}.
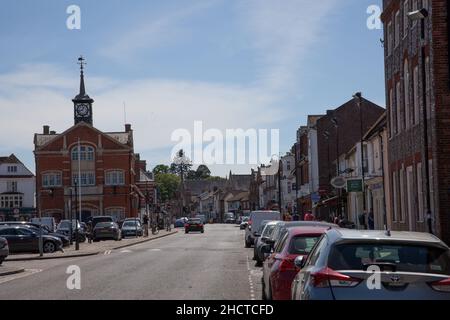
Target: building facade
{"x": 84, "y": 172}
{"x": 17, "y": 190}
{"x": 418, "y": 97}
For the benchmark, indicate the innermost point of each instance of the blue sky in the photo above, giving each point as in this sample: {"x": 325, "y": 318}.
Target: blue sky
{"x": 230, "y": 63}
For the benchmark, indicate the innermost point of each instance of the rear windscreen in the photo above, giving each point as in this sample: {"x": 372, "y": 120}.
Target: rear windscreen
{"x": 404, "y": 258}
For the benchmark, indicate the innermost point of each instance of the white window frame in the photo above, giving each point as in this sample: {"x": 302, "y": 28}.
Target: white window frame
{"x": 115, "y": 177}
{"x": 420, "y": 203}
{"x": 397, "y": 29}
{"x": 52, "y": 179}
{"x": 86, "y": 154}
{"x": 405, "y": 18}
{"x": 398, "y": 102}
{"x": 87, "y": 179}
{"x": 416, "y": 95}
{"x": 406, "y": 95}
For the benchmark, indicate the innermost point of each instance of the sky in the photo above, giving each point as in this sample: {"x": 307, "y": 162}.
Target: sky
{"x": 250, "y": 64}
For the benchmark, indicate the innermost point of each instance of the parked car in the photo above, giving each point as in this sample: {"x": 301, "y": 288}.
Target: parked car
{"x": 244, "y": 223}
{"x": 132, "y": 228}
{"x": 64, "y": 239}
{"x": 98, "y": 219}
{"x": 4, "y": 250}
{"x": 202, "y": 217}
{"x": 36, "y": 228}
{"x": 255, "y": 219}
{"x": 266, "y": 233}
{"x": 22, "y": 239}
{"x": 49, "y": 222}
{"x": 179, "y": 223}
{"x": 283, "y": 226}
{"x": 23, "y": 223}
{"x": 68, "y": 228}
{"x": 106, "y": 230}
{"x": 279, "y": 269}
{"x": 194, "y": 224}
{"x": 412, "y": 266}
{"x": 229, "y": 218}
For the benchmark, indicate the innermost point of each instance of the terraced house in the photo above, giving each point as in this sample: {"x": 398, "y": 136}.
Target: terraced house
{"x": 417, "y": 74}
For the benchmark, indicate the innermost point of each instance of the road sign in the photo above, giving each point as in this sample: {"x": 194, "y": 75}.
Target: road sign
{"x": 338, "y": 182}
{"x": 354, "y": 185}
{"x": 315, "y": 197}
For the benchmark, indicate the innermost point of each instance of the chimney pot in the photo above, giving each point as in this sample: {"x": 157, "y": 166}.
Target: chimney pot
{"x": 52, "y": 132}
{"x": 46, "y": 130}
{"x": 127, "y": 127}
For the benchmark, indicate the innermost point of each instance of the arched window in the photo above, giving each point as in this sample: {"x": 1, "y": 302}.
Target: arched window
{"x": 86, "y": 153}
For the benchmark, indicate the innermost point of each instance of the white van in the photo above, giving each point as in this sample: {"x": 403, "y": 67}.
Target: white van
{"x": 49, "y": 222}
{"x": 254, "y": 222}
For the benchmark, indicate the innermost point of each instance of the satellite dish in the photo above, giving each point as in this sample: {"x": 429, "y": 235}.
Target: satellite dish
{"x": 338, "y": 182}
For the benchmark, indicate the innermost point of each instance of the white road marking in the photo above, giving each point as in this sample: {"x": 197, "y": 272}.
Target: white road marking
{"x": 126, "y": 251}
{"x": 107, "y": 252}
{"x": 154, "y": 250}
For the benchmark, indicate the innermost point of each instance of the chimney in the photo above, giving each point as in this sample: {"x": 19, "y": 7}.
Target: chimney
{"x": 46, "y": 130}
{"x": 52, "y": 132}
{"x": 127, "y": 127}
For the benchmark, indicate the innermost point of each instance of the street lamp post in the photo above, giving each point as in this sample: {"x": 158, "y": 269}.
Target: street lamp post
{"x": 359, "y": 102}
{"x": 338, "y": 165}
{"x": 77, "y": 244}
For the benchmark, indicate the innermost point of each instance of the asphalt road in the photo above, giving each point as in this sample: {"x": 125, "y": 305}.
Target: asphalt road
{"x": 210, "y": 266}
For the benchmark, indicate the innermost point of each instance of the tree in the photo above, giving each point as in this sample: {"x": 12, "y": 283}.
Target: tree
{"x": 203, "y": 172}
{"x": 191, "y": 175}
{"x": 167, "y": 185}
{"x": 181, "y": 165}
{"x": 162, "y": 168}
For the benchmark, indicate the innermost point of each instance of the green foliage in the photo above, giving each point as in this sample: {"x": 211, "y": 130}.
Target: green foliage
{"x": 167, "y": 185}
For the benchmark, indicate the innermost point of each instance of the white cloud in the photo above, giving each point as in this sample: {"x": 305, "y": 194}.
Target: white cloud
{"x": 165, "y": 30}
{"x": 282, "y": 33}
{"x": 155, "y": 108}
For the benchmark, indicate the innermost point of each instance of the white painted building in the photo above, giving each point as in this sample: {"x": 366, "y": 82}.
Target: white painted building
{"x": 17, "y": 189}
{"x": 288, "y": 194}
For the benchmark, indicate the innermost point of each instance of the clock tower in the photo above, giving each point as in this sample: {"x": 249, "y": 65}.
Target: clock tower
{"x": 82, "y": 103}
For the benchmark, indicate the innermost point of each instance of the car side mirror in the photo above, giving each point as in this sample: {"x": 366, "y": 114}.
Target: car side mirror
{"x": 264, "y": 239}
{"x": 270, "y": 242}
{"x": 300, "y": 262}
{"x": 257, "y": 234}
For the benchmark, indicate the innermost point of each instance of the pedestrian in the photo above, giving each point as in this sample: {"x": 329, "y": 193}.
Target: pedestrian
{"x": 89, "y": 231}
{"x": 309, "y": 216}
{"x": 337, "y": 219}
{"x": 371, "y": 220}
{"x": 362, "y": 220}
{"x": 145, "y": 223}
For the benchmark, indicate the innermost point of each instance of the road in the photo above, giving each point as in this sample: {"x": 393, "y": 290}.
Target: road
{"x": 210, "y": 266}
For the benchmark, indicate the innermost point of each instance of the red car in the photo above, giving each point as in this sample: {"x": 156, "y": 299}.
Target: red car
{"x": 194, "y": 224}
{"x": 279, "y": 269}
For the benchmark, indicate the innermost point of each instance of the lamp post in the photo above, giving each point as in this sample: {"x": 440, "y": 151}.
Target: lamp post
{"x": 77, "y": 244}
{"x": 421, "y": 15}
{"x": 338, "y": 165}
{"x": 359, "y": 102}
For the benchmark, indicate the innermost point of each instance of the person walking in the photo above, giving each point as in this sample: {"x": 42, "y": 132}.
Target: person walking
{"x": 309, "y": 216}
{"x": 145, "y": 223}
{"x": 89, "y": 231}
{"x": 371, "y": 220}
{"x": 362, "y": 220}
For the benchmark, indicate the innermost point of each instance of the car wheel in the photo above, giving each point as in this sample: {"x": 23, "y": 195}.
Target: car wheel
{"x": 203, "y": 231}
{"x": 1, "y": 260}
{"x": 247, "y": 244}
{"x": 186, "y": 231}
{"x": 49, "y": 247}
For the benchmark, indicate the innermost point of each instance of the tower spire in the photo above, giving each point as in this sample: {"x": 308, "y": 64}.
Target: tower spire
{"x": 82, "y": 63}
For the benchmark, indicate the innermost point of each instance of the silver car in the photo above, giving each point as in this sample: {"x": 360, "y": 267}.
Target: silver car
{"x": 374, "y": 265}
{"x": 4, "y": 249}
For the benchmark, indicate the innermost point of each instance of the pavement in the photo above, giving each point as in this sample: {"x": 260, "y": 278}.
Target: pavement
{"x": 210, "y": 266}
{"x": 89, "y": 249}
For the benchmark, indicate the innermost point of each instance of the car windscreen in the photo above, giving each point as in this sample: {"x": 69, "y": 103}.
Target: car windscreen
{"x": 302, "y": 245}
{"x": 390, "y": 257}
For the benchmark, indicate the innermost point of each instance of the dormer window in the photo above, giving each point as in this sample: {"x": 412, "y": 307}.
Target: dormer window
{"x": 86, "y": 153}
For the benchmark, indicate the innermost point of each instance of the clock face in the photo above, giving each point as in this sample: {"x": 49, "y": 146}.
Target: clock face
{"x": 82, "y": 109}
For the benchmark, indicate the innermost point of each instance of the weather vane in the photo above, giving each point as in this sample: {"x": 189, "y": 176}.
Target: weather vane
{"x": 81, "y": 62}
